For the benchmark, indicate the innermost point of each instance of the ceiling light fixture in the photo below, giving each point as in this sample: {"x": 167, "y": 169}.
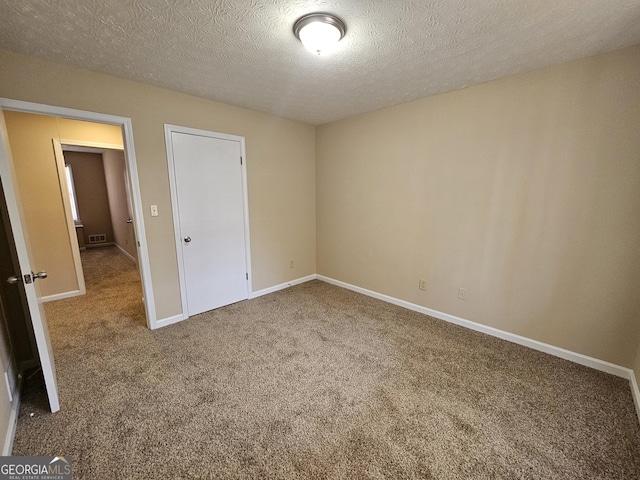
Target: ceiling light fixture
{"x": 319, "y": 32}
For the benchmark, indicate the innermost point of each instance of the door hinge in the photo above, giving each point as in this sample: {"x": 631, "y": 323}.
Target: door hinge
{"x": 247, "y": 275}
{"x": 240, "y": 160}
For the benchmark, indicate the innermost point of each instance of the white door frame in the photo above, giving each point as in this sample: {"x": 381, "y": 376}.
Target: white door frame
{"x": 168, "y": 130}
{"x": 131, "y": 166}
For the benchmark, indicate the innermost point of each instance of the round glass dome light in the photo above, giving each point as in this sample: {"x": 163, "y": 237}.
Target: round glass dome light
{"x": 319, "y": 32}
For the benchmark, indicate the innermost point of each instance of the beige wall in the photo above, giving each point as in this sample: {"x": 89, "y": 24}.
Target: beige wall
{"x": 280, "y": 165}
{"x": 91, "y": 193}
{"x": 114, "y": 172}
{"x": 524, "y": 191}
{"x": 30, "y": 137}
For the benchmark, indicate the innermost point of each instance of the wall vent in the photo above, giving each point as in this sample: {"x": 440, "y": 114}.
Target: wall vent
{"x": 98, "y": 238}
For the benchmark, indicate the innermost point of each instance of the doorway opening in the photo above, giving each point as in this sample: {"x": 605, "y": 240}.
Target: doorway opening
{"x": 84, "y": 204}
{"x": 97, "y": 199}
{"x": 31, "y": 218}
{"x": 113, "y": 209}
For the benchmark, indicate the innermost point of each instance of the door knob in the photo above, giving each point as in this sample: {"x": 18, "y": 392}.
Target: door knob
{"x": 27, "y": 278}
{"x": 39, "y": 275}
{"x": 130, "y": 220}
{"x": 187, "y": 239}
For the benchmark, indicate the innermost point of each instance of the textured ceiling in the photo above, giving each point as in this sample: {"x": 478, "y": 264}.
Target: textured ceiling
{"x": 243, "y": 52}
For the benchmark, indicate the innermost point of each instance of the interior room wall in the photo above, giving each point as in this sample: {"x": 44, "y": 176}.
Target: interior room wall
{"x": 31, "y": 137}
{"x": 91, "y": 194}
{"x": 523, "y": 191}
{"x": 114, "y": 173}
{"x": 280, "y": 165}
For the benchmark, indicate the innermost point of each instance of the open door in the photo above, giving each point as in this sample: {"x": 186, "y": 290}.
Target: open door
{"x": 26, "y": 275}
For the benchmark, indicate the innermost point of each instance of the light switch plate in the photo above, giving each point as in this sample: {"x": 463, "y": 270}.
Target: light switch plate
{"x": 154, "y": 210}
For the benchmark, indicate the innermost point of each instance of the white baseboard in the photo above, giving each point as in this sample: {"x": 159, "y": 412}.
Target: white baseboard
{"x": 13, "y": 420}
{"x": 169, "y": 321}
{"x": 99, "y": 245}
{"x": 635, "y": 392}
{"x": 60, "y": 296}
{"x": 126, "y": 254}
{"x": 511, "y": 337}
{"x": 282, "y": 286}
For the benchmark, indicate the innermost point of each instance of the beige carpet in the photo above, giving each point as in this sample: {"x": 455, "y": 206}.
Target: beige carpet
{"x": 313, "y": 382}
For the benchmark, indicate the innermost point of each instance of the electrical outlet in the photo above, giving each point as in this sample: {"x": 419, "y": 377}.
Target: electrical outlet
{"x": 291, "y": 264}
{"x": 462, "y": 293}
{"x": 422, "y": 284}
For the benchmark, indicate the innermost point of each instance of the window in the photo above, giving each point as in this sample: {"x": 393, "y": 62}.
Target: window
{"x": 72, "y": 194}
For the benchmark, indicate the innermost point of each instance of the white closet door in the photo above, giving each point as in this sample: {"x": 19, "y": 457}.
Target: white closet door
{"x": 209, "y": 194}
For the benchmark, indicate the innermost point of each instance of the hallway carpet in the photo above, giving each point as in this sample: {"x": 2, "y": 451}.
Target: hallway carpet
{"x": 313, "y": 382}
